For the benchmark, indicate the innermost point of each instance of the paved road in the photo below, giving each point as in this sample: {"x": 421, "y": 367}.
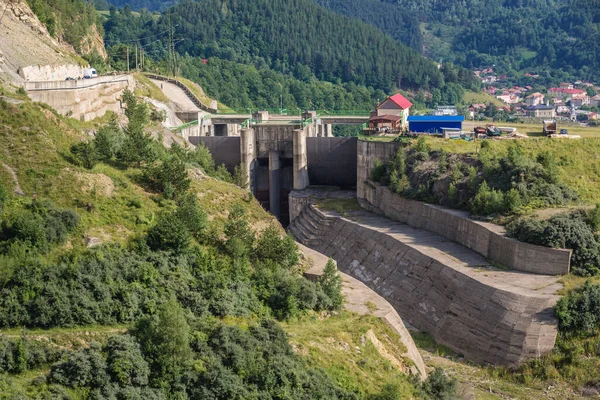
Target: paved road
{"x": 177, "y": 96}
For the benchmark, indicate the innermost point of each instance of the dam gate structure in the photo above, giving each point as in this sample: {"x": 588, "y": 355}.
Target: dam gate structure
{"x": 279, "y": 156}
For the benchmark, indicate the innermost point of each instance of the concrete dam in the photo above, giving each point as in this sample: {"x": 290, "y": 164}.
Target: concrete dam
{"x": 437, "y": 267}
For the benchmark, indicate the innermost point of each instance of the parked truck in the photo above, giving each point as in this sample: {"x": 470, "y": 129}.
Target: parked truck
{"x": 549, "y": 127}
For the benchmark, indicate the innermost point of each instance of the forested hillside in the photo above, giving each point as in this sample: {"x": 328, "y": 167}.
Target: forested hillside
{"x": 513, "y": 34}
{"x": 151, "y": 5}
{"x": 297, "y": 41}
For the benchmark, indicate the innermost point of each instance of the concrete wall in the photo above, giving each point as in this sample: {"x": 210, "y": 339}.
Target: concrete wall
{"x": 51, "y": 72}
{"x": 462, "y": 308}
{"x": 332, "y": 161}
{"x": 84, "y": 99}
{"x": 275, "y": 137}
{"x": 367, "y": 155}
{"x": 487, "y": 239}
{"x": 225, "y": 150}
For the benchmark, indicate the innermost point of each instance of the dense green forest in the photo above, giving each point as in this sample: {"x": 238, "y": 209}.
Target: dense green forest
{"x": 534, "y": 35}
{"x": 247, "y": 68}
{"x": 151, "y": 5}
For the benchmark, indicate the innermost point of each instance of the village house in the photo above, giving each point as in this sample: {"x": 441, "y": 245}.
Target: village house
{"x": 392, "y": 113}
{"x": 559, "y": 93}
{"x": 566, "y": 85}
{"x": 540, "y": 111}
{"x": 578, "y": 100}
{"x": 509, "y": 99}
{"x": 595, "y": 101}
{"x": 534, "y": 99}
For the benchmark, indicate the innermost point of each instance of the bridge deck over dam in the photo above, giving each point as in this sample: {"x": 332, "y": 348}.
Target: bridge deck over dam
{"x": 484, "y": 313}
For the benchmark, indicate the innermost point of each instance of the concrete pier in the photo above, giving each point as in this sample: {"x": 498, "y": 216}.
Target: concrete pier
{"x": 300, "y": 160}
{"x": 274, "y": 184}
{"x": 248, "y": 154}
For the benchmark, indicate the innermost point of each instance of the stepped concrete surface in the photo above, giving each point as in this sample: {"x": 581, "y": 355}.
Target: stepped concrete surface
{"x": 361, "y": 299}
{"x": 487, "y": 314}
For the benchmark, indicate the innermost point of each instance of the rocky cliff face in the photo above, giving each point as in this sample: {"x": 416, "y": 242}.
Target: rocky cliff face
{"x": 25, "y": 41}
{"x": 94, "y": 41}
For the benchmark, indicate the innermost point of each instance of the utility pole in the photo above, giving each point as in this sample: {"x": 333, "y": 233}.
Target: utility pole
{"x": 127, "y": 59}
{"x": 136, "y": 57}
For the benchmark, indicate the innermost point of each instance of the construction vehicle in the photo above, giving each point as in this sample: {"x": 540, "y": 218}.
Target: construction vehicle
{"x": 549, "y": 127}
{"x": 479, "y": 130}
{"x": 489, "y": 130}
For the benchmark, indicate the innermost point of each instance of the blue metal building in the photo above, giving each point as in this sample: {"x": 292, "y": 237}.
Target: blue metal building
{"x": 434, "y": 124}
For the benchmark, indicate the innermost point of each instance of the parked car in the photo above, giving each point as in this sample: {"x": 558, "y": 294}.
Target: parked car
{"x": 70, "y": 79}
{"x": 563, "y": 131}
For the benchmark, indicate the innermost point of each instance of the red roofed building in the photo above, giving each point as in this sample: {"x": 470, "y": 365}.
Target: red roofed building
{"x": 561, "y": 92}
{"x": 396, "y": 105}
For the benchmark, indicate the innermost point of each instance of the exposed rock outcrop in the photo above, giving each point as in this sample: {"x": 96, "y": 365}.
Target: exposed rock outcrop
{"x": 25, "y": 41}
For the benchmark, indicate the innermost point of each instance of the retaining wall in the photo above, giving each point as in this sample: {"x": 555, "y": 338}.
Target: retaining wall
{"x": 84, "y": 99}
{"x": 51, "y": 72}
{"x": 477, "y": 313}
{"x": 487, "y": 239}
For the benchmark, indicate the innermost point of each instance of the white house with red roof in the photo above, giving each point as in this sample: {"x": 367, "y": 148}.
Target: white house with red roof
{"x": 392, "y": 112}
{"x": 561, "y": 92}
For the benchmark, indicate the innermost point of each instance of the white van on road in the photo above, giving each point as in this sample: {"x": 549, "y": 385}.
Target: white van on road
{"x": 90, "y": 73}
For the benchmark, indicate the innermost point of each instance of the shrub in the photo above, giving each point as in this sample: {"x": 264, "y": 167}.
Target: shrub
{"x": 81, "y": 369}
{"x": 108, "y": 140}
{"x": 85, "y": 154}
{"x": 512, "y": 200}
{"x": 203, "y": 157}
{"x": 579, "y": 312}
{"x": 331, "y": 283}
{"x": 570, "y": 231}
{"x": 378, "y": 172}
{"x": 421, "y": 146}
{"x": 158, "y": 115}
{"x": 192, "y": 215}
{"x": 272, "y": 246}
{"x": 440, "y": 386}
{"x": 168, "y": 177}
{"x": 169, "y": 233}
{"x": 125, "y": 362}
{"x": 487, "y": 201}
{"x": 239, "y": 177}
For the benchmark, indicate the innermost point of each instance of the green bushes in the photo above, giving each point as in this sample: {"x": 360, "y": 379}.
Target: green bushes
{"x": 38, "y": 226}
{"x": 578, "y": 313}
{"x": 572, "y": 231}
{"x": 23, "y": 354}
{"x": 485, "y": 186}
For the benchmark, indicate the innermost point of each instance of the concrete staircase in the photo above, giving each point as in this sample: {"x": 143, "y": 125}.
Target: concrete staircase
{"x": 309, "y": 227}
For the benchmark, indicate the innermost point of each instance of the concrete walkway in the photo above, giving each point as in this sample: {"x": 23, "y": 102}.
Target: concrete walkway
{"x": 177, "y": 96}
{"x": 460, "y": 258}
{"x": 359, "y": 298}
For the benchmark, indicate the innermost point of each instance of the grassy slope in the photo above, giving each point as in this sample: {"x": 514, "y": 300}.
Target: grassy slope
{"x": 341, "y": 345}
{"x": 481, "y": 97}
{"x": 35, "y": 142}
